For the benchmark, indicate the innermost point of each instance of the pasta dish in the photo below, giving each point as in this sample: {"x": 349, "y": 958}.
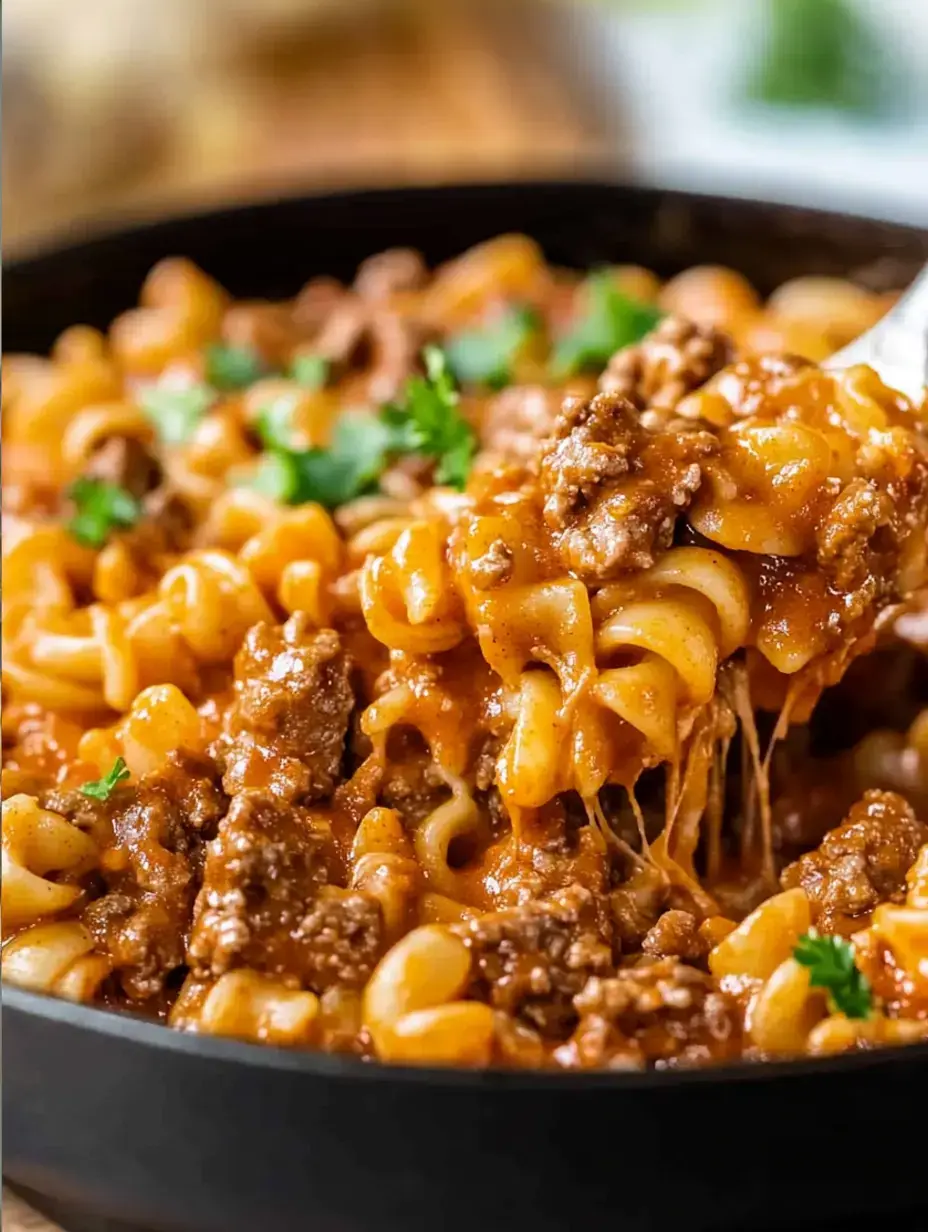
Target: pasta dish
{"x": 487, "y": 665}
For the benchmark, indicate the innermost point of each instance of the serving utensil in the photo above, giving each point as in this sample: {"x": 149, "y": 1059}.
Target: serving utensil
{"x": 897, "y": 346}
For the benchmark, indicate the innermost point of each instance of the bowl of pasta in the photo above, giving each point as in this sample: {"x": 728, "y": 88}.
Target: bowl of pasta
{"x": 465, "y": 698}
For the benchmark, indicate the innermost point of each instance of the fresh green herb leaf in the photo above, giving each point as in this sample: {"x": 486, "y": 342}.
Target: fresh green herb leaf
{"x": 274, "y": 424}
{"x": 332, "y": 476}
{"x": 485, "y": 356}
{"x": 611, "y": 320}
{"x": 100, "y": 508}
{"x": 310, "y": 371}
{"x": 276, "y": 476}
{"x": 101, "y": 788}
{"x": 176, "y": 412}
{"x": 233, "y": 367}
{"x": 821, "y": 53}
{"x": 831, "y": 966}
{"x": 426, "y": 421}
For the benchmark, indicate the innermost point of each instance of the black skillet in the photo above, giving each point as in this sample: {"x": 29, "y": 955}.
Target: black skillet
{"x": 121, "y": 1119}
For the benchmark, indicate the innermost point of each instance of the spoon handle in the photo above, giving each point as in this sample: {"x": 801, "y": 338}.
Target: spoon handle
{"x": 897, "y": 346}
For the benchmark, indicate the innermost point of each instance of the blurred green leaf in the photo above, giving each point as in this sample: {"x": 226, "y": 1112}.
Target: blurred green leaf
{"x": 821, "y": 53}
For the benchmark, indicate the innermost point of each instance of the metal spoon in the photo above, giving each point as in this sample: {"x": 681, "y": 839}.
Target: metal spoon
{"x": 897, "y": 346}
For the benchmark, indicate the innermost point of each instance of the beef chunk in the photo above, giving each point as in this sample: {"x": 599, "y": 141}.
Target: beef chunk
{"x": 636, "y": 906}
{"x": 342, "y": 935}
{"x": 675, "y": 935}
{"x": 316, "y": 301}
{"x": 160, "y": 829}
{"x": 611, "y": 490}
{"x": 517, "y": 420}
{"x": 845, "y": 536}
{"x": 266, "y": 328}
{"x": 389, "y": 273}
{"x": 532, "y": 960}
{"x": 655, "y": 1013}
{"x": 266, "y": 902}
{"x": 369, "y": 334}
{"x": 286, "y": 729}
{"x": 860, "y": 864}
{"x": 126, "y": 462}
{"x": 671, "y": 362}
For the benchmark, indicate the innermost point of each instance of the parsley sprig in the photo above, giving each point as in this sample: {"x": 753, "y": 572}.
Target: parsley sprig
{"x": 486, "y": 356}
{"x": 100, "y": 789}
{"x": 233, "y": 367}
{"x": 831, "y": 965}
{"x": 100, "y": 509}
{"x": 310, "y": 371}
{"x": 425, "y": 421}
{"x": 610, "y": 320}
{"x": 175, "y": 412}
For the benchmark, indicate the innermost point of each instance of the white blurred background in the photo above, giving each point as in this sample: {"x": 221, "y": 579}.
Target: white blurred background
{"x": 120, "y": 108}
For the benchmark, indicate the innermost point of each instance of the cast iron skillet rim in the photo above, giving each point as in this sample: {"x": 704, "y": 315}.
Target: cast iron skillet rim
{"x": 325, "y": 1065}
{"x": 68, "y": 243}
{"x": 34, "y": 260}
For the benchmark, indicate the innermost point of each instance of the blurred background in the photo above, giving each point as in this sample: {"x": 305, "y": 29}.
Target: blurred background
{"x": 122, "y": 108}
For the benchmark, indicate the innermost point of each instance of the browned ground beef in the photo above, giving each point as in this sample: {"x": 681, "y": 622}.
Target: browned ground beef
{"x": 126, "y": 462}
{"x": 860, "y": 864}
{"x": 160, "y": 829}
{"x": 266, "y": 902}
{"x": 662, "y": 1012}
{"x": 675, "y": 935}
{"x": 286, "y": 730}
{"x": 516, "y": 420}
{"x": 532, "y": 960}
{"x": 613, "y": 490}
{"x": 672, "y": 361}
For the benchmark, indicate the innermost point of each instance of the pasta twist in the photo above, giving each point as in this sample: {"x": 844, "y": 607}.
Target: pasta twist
{"x": 212, "y": 599}
{"x": 56, "y": 958}
{"x": 36, "y": 842}
{"x": 412, "y": 1008}
{"x": 247, "y": 1005}
{"x": 407, "y": 598}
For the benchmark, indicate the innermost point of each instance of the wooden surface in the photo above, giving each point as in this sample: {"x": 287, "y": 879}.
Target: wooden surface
{"x": 18, "y": 1217}
{"x": 467, "y": 89}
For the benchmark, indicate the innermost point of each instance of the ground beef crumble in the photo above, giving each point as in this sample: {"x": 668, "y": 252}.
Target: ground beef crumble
{"x": 671, "y": 362}
{"x": 159, "y": 828}
{"x": 654, "y": 1013}
{"x": 286, "y": 730}
{"x": 860, "y": 864}
{"x": 531, "y": 960}
{"x": 612, "y": 490}
{"x": 675, "y": 935}
{"x": 266, "y": 901}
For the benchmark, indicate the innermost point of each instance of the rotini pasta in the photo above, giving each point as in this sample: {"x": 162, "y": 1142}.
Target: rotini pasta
{"x": 459, "y": 704}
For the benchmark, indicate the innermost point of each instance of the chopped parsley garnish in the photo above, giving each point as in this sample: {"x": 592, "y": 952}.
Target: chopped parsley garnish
{"x": 100, "y": 508}
{"x": 831, "y": 966}
{"x": 485, "y": 356}
{"x": 274, "y": 424}
{"x": 175, "y": 412}
{"x": 348, "y": 468}
{"x": 100, "y": 789}
{"x": 610, "y": 320}
{"x": 233, "y": 367}
{"x": 310, "y": 371}
{"x": 424, "y": 421}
